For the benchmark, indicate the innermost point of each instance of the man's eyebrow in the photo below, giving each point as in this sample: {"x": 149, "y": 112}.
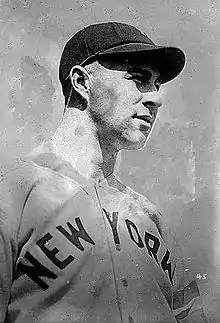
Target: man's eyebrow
{"x": 139, "y": 70}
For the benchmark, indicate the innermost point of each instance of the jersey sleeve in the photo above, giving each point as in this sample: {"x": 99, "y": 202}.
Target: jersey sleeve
{"x": 187, "y": 304}
{"x": 11, "y": 199}
{"x": 6, "y": 263}
{"x": 187, "y": 300}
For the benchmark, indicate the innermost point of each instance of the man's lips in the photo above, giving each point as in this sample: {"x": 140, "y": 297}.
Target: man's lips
{"x": 146, "y": 118}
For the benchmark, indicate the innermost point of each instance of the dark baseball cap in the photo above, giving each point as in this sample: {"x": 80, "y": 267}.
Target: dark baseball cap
{"x": 111, "y": 38}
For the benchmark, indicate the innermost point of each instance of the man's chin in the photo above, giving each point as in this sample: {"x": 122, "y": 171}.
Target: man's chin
{"x": 136, "y": 143}
{"x": 139, "y": 145}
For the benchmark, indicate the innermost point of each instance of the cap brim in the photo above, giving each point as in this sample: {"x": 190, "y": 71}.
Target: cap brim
{"x": 169, "y": 61}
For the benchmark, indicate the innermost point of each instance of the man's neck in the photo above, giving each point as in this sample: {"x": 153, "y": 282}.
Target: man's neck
{"x": 76, "y": 141}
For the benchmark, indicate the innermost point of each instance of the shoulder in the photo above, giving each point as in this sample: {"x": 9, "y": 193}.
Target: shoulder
{"x": 24, "y": 182}
{"x": 16, "y": 179}
{"x": 22, "y": 174}
{"x": 149, "y": 209}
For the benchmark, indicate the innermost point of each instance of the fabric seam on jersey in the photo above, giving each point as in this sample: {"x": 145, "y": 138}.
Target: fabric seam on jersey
{"x": 20, "y": 217}
{"x": 112, "y": 260}
{"x": 22, "y": 213}
{"x": 14, "y": 169}
{"x": 57, "y": 173}
{"x": 28, "y": 163}
{"x": 29, "y": 193}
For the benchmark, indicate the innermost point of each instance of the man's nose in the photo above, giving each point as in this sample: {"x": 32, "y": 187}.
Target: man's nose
{"x": 152, "y": 100}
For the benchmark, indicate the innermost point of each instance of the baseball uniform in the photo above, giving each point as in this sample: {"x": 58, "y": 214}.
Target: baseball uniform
{"x": 74, "y": 250}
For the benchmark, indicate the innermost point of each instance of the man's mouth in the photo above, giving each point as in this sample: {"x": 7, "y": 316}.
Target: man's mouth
{"x": 147, "y": 118}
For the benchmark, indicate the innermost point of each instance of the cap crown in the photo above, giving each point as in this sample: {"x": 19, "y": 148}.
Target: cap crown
{"x": 96, "y": 39}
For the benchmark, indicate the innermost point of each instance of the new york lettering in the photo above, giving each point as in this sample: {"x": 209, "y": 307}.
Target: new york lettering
{"x": 113, "y": 223}
{"x": 133, "y": 229}
{"x": 37, "y": 271}
{"x": 51, "y": 254}
{"x": 152, "y": 248}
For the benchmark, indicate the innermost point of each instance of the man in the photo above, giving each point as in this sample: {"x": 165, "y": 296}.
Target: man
{"x": 77, "y": 245}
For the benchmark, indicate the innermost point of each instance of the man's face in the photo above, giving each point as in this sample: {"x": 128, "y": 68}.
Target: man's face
{"x": 124, "y": 102}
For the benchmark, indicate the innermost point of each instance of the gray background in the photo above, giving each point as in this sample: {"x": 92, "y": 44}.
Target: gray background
{"x": 178, "y": 169}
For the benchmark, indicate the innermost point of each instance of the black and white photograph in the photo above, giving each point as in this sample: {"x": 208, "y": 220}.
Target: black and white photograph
{"x": 110, "y": 161}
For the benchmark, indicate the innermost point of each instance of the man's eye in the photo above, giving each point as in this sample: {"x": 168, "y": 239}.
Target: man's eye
{"x": 143, "y": 80}
{"x": 139, "y": 79}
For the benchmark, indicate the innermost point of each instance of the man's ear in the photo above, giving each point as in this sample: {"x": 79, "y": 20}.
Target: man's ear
{"x": 80, "y": 80}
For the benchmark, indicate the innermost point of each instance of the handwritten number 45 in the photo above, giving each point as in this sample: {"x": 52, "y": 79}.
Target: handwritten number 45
{"x": 199, "y": 276}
